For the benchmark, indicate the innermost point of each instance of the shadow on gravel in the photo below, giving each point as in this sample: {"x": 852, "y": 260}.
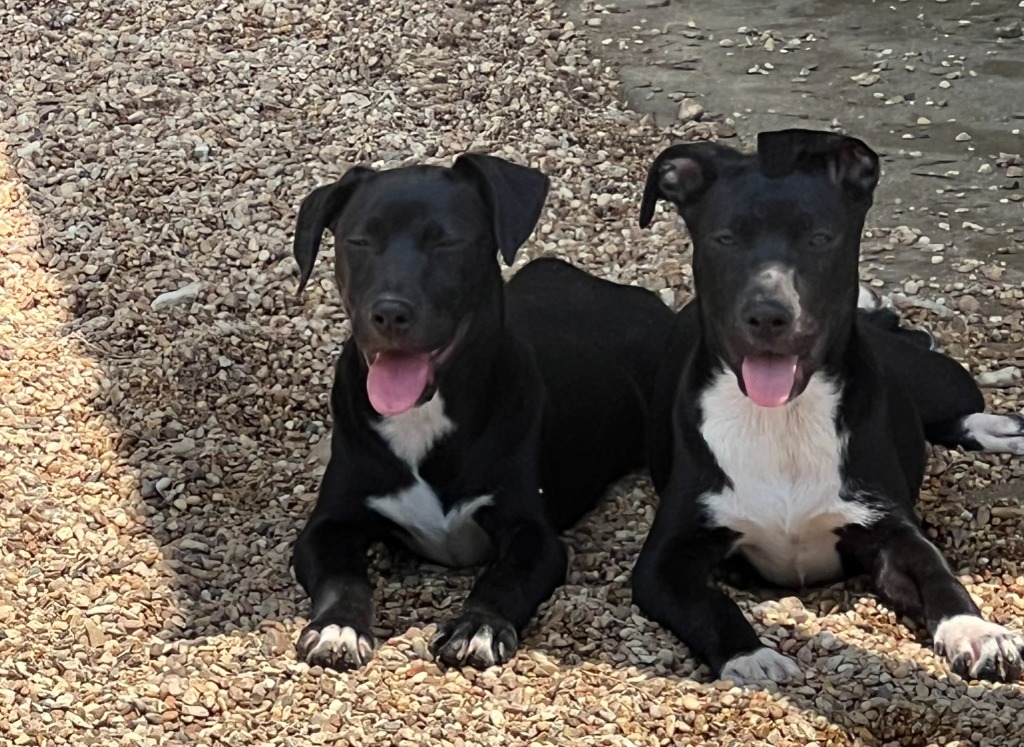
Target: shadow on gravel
{"x": 219, "y": 448}
{"x": 217, "y": 399}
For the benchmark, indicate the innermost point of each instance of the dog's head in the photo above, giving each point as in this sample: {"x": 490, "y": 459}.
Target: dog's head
{"x": 416, "y": 260}
{"x": 776, "y": 239}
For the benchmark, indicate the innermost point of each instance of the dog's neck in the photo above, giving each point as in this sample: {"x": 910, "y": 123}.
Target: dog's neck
{"x": 483, "y": 337}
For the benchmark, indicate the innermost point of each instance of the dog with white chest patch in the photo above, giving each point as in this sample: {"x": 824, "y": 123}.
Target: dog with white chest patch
{"x": 472, "y": 420}
{"x": 789, "y": 428}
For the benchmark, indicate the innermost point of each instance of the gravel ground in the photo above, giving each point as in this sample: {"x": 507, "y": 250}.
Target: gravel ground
{"x": 157, "y": 457}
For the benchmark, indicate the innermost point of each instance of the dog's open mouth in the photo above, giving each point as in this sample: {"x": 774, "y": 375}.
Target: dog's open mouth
{"x": 769, "y": 379}
{"x": 398, "y": 380}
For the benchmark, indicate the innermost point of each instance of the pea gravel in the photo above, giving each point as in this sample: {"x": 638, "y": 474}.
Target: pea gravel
{"x": 163, "y": 395}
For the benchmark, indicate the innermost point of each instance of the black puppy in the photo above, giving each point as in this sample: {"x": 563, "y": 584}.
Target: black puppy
{"x": 468, "y": 429}
{"x": 788, "y": 428}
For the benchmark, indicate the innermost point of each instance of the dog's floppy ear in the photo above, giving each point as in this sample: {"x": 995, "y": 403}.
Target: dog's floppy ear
{"x": 318, "y": 211}
{"x": 514, "y": 195}
{"x": 850, "y": 163}
{"x": 681, "y": 174}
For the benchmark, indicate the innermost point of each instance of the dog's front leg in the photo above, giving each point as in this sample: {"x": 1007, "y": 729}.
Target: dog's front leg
{"x": 672, "y": 586}
{"x": 330, "y": 563}
{"x": 912, "y": 576}
{"x": 529, "y": 565}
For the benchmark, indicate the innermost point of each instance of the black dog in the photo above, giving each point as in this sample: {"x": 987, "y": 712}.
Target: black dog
{"x": 469, "y": 429}
{"x": 788, "y": 428}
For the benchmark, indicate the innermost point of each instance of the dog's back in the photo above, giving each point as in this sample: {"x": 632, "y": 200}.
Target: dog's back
{"x": 598, "y": 346}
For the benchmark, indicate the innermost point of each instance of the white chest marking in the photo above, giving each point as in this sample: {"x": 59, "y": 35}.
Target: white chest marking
{"x": 411, "y": 434}
{"x": 453, "y": 538}
{"x": 785, "y": 467}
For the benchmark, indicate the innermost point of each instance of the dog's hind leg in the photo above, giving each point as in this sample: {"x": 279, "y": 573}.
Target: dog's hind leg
{"x": 982, "y": 431}
{"x": 888, "y": 319}
{"x": 592, "y": 437}
{"x": 950, "y": 403}
{"x": 946, "y": 397}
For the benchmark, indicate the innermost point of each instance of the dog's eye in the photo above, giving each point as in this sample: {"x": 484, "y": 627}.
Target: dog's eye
{"x": 821, "y": 240}
{"x": 725, "y": 238}
{"x": 446, "y": 245}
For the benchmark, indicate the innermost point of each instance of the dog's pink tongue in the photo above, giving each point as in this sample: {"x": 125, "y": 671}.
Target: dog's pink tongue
{"x": 769, "y": 378}
{"x": 396, "y": 381}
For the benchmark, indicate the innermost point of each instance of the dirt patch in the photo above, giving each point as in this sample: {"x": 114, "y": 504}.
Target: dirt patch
{"x": 933, "y": 86}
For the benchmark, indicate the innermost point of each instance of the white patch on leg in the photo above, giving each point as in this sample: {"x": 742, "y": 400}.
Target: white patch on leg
{"x": 482, "y": 646}
{"x": 997, "y": 434}
{"x": 867, "y": 298}
{"x": 985, "y": 644}
{"x": 763, "y": 664}
{"x": 324, "y": 602}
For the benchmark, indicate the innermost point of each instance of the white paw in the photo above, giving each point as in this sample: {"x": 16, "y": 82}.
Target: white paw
{"x": 469, "y": 641}
{"x": 482, "y": 647}
{"x": 335, "y": 647}
{"x": 867, "y": 298}
{"x": 998, "y": 434}
{"x": 763, "y": 664}
{"x": 978, "y": 649}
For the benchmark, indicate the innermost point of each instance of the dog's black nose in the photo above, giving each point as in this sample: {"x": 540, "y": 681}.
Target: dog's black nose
{"x": 766, "y": 319}
{"x": 391, "y": 316}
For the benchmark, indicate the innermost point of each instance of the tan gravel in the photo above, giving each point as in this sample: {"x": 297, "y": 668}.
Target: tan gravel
{"x": 155, "y": 462}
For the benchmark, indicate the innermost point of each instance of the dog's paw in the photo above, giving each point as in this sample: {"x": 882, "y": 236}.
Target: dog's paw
{"x": 757, "y": 666}
{"x": 334, "y": 646}
{"x": 978, "y": 649}
{"x": 997, "y": 434}
{"x": 475, "y": 640}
